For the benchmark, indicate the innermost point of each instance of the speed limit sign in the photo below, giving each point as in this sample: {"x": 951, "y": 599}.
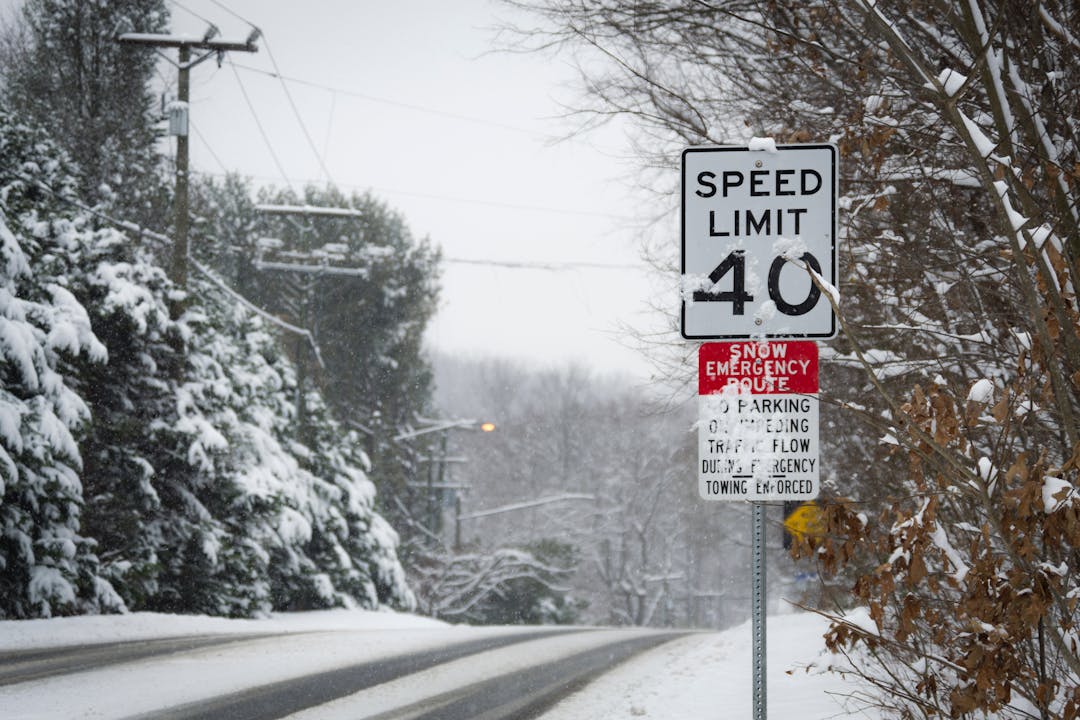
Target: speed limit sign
{"x": 756, "y": 224}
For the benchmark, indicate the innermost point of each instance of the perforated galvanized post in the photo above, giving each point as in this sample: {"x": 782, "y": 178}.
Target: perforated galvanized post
{"x": 757, "y": 572}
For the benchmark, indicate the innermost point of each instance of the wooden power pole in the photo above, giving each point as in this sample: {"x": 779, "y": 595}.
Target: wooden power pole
{"x": 302, "y": 313}
{"x": 178, "y": 125}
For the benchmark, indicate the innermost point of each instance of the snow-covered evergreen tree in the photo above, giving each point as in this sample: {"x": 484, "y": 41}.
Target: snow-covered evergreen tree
{"x": 64, "y": 70}
{"x": 151, "y": 463}
{"x": 367, "y": 309}
{"x": 47, "y": 565}
{"x": 271, "y": 523}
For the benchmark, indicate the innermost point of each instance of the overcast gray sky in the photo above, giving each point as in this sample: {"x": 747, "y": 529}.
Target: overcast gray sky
{"x": 404, "y": 97}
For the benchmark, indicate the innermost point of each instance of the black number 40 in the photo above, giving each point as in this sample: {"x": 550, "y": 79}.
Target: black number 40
{"x": 735, "y": 263}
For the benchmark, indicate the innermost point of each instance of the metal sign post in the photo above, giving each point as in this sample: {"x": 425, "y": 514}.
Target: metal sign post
{"x": 757, "y": 572}
{"x": 747, "y": 214}
{"x": 758, "y": 441}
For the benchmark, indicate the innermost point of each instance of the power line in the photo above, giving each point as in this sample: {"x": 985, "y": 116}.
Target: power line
{"x": 397, "y": 103}
{"x": 202, "y": 139}
{"x": 455, "y": 199}
{"x": 257, "y": 31}
{"x": 296, "y": 112}
{"x": 191, "y": 12}
{"x": 262, "y": 130}
{"x": 283, "y": 79}
{"x": 329, "y": 123}
{"x": 419, "y": 108}
{"x": 235, "y": 14}
{"x": 499, "y": 204}
{"x": 553, "y": 266}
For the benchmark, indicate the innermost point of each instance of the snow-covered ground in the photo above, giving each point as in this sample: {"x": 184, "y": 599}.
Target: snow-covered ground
{"x": 89, "y": 629}
{"x": 709, "y": 676}
{"x": 705, "y": 675}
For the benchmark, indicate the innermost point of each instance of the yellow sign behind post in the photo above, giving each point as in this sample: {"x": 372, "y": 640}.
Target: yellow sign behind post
{"x": 802, "y": 519}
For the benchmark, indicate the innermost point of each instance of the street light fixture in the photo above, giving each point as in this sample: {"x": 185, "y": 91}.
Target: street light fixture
{"x": 443, "y": 427}
{"x": 459, "y": 424}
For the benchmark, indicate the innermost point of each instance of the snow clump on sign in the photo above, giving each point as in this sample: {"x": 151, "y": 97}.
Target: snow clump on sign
{"x": 762, "y": 145}
{"x": 792, "y": 248}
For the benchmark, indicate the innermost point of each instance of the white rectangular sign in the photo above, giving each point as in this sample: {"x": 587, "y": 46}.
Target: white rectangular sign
{"x": 753, "y": 221}
{"x": 758, "y": 430}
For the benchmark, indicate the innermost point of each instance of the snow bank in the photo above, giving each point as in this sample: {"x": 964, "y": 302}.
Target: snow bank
{"x": 90, "y": 629}
{"x": 704, "y": 675}
{"x": 709, "y": 676}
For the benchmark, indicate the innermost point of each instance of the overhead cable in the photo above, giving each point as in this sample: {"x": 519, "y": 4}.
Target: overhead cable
{"x": 539, "y": 265}
{"x": 450, "y": 198}
{"x": 262, "y": 130}
{"x": 256, "y": 31}
{"x": 206, "y": 144}
{"x": 207, "y": 272}
{"x": 296, "y": 112}
{"x": 400, "y": 104}
{"x": 191, "y": 12}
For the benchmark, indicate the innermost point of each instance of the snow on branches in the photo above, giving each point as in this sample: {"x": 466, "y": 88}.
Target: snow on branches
{"x": 151, "y": 463}
{"x": 960, "y": 242}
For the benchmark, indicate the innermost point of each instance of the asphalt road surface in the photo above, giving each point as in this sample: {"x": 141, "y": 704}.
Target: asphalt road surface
{"x": 517, "y": 675}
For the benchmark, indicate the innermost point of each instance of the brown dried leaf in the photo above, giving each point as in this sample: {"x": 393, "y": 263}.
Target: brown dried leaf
{"x": 1019, "y": 469}
{"x": 877, "y": 614}
{"x": 1074, "y": 461}
{"x": 916, "y": 568}
{"x": 963, "y": 699}
{"x": 1001, "y": 410}
{"x": 1053, "y": 328}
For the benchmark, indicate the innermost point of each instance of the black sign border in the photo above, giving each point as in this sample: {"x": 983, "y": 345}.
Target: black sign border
{"x": 682, "y": 234}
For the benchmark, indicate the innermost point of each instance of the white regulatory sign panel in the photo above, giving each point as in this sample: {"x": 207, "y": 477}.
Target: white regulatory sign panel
{"x": 758, "y": 447}
{"x": 758, "y": 430}
{"x": 743, "y": 212}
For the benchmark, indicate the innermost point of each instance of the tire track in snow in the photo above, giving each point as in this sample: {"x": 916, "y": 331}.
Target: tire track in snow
{"x": 527, "y": 694}
{"x": 286, "y": 697}
{"x": 27, "y": 665}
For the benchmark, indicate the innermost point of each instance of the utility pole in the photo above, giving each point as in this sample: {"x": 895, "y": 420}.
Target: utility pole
{"x": 306, "y": 277}
{"x": 178, "y": 266}
{"x": 434, "y": 508}
{"x": 185, "y": 44}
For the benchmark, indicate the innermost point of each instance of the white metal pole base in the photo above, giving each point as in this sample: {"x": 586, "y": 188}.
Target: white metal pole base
{"x": 758, "y": 609}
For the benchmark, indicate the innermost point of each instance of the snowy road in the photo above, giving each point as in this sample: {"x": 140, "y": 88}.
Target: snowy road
{"x": 29, "y": 665}
{"x": 349, "y": 665}
{"x": 451, "y": 674}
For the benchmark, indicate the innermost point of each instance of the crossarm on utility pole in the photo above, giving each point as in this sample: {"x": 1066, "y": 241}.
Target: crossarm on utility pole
{"x": 190, "y": 42}
{"x": 309, "y": 210}
{"x": 528, "y": 504}
{"x": 178, "y": 268}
